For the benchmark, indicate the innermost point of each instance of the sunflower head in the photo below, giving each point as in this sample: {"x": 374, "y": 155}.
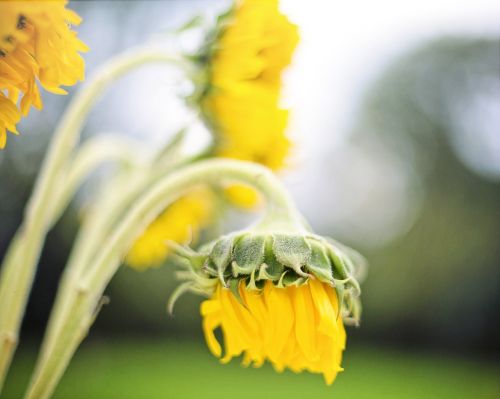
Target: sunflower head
{"x": 278, "y": 297}
{"x": 244, "y": 60}
{"x": 242, "y": 65}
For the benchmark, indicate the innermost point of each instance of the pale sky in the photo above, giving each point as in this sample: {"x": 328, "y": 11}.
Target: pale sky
{"x": 344, "y": 47}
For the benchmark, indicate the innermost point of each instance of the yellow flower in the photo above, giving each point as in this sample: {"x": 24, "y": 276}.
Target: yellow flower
{"x": 278, "y": 297}
{"x": 242, "y": 105}
{"x": 36, "y": 45}
{"x": 293, "y": 327}
{"x": 254, "y": 45}
{"x": 9, "y": 116}
{"x": 180, "y": 222}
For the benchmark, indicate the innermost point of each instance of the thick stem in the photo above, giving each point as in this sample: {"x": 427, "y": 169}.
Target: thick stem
{"x": 18, "y": 271}
{"x": 84, "y": 298}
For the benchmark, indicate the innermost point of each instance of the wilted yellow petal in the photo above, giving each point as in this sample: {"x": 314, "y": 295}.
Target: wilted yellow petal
{"x": 305, "y": 325}
{"x": 326, "y": 313}
{"x": 279, "y": 325}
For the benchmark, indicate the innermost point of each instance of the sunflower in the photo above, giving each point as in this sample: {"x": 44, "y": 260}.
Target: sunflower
{"x": 253, "y": 45}
{"x": 282, "y": 298}
{"x": 37, "y": 46}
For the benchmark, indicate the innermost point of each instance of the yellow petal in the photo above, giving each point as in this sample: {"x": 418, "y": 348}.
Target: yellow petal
{"x": 327, "y": 316}
{"x": 305, "y": 323}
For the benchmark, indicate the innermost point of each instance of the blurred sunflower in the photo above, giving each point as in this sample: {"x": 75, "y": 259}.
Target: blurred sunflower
{"x": 254, "y": 43}
{"x": 36, "y": 46}
{"x": 180, "y": 222}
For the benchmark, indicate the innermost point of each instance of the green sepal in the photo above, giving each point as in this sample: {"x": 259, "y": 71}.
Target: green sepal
{"x": 271, "y": 269}
{"x": 340, "y": 296}
{"x": 179, "y": 290}
{"x": 248, "y": 254}
{"x": 292, "y": 251}
{"x": 290, "y": 278}
{"x": 340, "y": 270}
{"x": 251, "y": 283}
{"x": 352, "y": 311}
{"x": 221, "y": 256}
{"x": 279, "y": 284}
{"x": 320, "y": 264}
{"x": 210, "y": 268}
{"x": 234, "y": 287}
{"x": 195, "y": 258}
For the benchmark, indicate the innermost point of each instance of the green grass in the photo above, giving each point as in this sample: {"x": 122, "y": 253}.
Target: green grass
{"x": 128, "y": 370}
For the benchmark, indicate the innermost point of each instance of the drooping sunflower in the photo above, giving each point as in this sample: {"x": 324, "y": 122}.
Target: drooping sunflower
{"x": 37, "y": 46}
{"x": 282, "y": 298}
{"x": 253, "y": 45}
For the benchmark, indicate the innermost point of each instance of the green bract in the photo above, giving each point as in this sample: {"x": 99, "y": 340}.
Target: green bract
{"x": 285, "y": 259}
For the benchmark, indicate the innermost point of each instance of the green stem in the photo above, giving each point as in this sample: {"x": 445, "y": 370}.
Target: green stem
{"x": 100, "y": 149}
{"x": 100, "y": 218}
{"x": 19, "y": 266}
{"x": 85, "y": 296}
{"x": 105, "y": 211}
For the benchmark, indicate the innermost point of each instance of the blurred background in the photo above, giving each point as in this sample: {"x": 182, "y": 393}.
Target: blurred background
{"x": 396, "y": 123}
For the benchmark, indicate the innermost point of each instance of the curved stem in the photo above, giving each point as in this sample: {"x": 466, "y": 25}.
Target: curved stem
{"x": 105, "y": 211}
{"x": 98, "y": 150}
{"x": 84, "y": 298}
{"x": 19, "y": 267}
{"x": 280, "y": 208}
